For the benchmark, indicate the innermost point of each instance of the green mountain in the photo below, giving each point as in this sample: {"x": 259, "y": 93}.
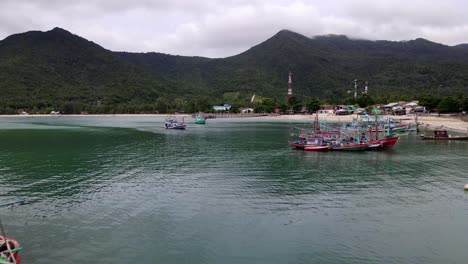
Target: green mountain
{"x": 43, "y": 68}
{"x": 323, "y": 66}
{"x": 57, "y": 69}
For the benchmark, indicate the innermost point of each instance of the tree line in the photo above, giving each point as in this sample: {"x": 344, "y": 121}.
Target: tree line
{"x": 167, "y": 104}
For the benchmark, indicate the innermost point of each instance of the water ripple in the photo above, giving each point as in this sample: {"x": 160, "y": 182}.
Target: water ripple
{"x": 228, "y": 192}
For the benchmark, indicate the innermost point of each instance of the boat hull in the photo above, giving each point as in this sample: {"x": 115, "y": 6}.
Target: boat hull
{"x": 390, "y": 142}
{"x": 315, "y": 148}
{"x": 387, "y": 142}
{"x": 297, "y": 145}
{"x": 349, "y": 147}
{"x": 375, "y": 146}
{"x": 176, "y": 127}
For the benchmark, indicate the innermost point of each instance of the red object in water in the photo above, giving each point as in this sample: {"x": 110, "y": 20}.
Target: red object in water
{"x": 390, "y": 141}
{"x": 10, "y": 252}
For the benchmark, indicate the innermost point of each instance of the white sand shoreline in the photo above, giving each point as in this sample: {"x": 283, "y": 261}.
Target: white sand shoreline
{"x": 450, "y": 123}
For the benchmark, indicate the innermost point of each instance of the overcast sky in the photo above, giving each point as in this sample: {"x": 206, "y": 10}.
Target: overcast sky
{"x": 224, "y": 28}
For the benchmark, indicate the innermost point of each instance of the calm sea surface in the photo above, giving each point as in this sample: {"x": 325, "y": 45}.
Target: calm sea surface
{"x": 125, "y": 190}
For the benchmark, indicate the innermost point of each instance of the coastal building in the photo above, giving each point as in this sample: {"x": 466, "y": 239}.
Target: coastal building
{"x": 325, "y": 111}
{"x": 246, "y": 110}
{"x": 224, "y": 107}
{"x": 402, "y": 108}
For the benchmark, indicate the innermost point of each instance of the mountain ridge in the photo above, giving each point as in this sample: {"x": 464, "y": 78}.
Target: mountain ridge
{"x": 42, "y": 68}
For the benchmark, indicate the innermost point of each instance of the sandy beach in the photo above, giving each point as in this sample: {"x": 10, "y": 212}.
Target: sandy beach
{"x": 430, "y": 121}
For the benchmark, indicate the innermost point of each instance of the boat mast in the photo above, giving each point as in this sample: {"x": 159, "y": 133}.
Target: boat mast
{"x": 316, "y": 122}
{"x": 376, "y": 123}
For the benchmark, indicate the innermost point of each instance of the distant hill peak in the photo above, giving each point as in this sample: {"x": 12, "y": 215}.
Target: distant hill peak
{"x": 422, "y": 40}
{"x": 59, "y": 30}
{"x": 287, "y": 33}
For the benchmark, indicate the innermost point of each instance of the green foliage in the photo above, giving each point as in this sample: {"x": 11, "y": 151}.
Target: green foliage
{"x": 267, "y": 105}
{"x": 199, "y": 104}
{"x": 448, "y": 105}
{"x": 464, "y": 104}
{"x": 294, "y": 103}
{"x": 72, "y": 108}
{"x": 230, "y": 96}
{"x": 312, "y": 104}
{"x": 365, "y": 100}
{"x": 429, "y": 101}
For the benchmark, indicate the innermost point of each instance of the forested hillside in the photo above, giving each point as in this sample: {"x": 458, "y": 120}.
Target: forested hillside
{"x": 40, "y": 71}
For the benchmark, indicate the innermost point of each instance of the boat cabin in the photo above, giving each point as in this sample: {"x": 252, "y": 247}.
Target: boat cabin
{"x": 441, "y": 133}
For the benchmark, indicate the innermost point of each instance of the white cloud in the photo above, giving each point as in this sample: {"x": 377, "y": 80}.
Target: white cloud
{"x": 224, "y": 28}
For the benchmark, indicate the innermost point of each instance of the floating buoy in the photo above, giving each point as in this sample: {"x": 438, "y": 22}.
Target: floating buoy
{"x": 466, "y": 187}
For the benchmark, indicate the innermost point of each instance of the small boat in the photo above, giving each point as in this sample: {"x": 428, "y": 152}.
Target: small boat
{"x": 9, "y": 251}
{"x": 442, "y": 134}
{"x": 172, "y": 123}
{"x": 200, "y": 119}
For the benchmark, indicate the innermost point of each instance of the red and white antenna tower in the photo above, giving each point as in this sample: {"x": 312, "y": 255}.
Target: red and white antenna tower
{"x": 289, "y": 85}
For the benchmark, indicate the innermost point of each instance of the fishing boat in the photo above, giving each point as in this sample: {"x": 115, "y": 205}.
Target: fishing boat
{"x": 9, "y": 251}
{"x": 442, "y": 134}
{"x": 171, "y": 122}
{"x": 389, "y": 139}
{"x": 309, "y": 144}
{"x": 200, "y": 119}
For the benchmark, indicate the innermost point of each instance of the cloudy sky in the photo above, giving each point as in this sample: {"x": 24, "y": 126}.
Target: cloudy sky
{"x": 215, "y": 28}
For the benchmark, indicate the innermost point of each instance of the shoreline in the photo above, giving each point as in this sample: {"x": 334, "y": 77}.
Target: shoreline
{"x": 431, "y": 122}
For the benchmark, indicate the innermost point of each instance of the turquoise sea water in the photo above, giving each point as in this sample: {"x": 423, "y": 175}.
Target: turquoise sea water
{"x": 125, "y": 190}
